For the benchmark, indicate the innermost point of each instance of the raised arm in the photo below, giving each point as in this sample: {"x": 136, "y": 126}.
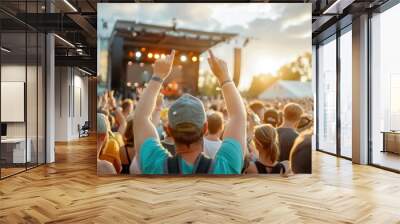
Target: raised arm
{"x": 236, "y": 126}
{"x": 155, "y": 117}
{"x": 143, "y": 127}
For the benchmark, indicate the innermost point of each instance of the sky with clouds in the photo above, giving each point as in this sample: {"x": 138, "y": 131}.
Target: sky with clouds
{"x": 278, "y": 32}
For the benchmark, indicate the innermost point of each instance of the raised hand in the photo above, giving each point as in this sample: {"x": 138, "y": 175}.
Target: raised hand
{"x": 218, "y": 67}
{"x": 236, "y": 126}
{"x": 163, "y": 66}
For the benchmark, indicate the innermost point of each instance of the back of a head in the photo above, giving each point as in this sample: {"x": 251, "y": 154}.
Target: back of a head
{"x": 300, "y": 155}
{"x": 127, "y": 104}
{"x": 186, "y": 119}
{"x": 267, "y": 137}
{"x": 271, "y": 117}
{"x": 292, "y": 112}
{"x": 215, "y": 122}
{"x": 256, "y": 106}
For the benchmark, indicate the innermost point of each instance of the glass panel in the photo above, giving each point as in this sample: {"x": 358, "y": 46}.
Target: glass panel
{"x": 327, "y": 97}
{"x": 346, "y": 94}
{"x": 23, "y": 89}
{"x": 385, "y": 85}
{"x": 13, "y": 80}
{"x": 31, "y": 97}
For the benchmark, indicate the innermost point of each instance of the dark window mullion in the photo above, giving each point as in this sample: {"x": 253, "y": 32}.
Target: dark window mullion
{"x": 338, "y": 98}
{"x": 37, "y": 90}
{"x": 369, "y": 83}
{"x": 26, "y": 86}
{"x": 316, "y": 103}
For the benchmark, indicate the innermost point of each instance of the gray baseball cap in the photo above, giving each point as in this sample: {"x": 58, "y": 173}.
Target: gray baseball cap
{"x": 187, "y": 109}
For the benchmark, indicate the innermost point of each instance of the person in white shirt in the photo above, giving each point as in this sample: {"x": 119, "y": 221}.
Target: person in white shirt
{"x": 212, "y": 141}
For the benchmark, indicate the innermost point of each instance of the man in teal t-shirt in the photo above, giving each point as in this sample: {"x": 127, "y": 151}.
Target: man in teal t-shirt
{"x": 187, "y": 124}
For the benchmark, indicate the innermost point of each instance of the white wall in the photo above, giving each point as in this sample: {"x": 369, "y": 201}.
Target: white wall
{"x": 71, "y": 94}
{"x": 11, "y": 73}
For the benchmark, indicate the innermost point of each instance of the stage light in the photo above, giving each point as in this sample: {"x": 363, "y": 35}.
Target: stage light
{"x": 128, "y": 84}
{"x": 141, "y": 64}
{"x": 156, "y": 56}
{"x": 130, "y": 63}
{"x": 162, "y": 56}
{"x": 130, "y": 54}
{"x": 138, "y": 54}
{"x": 183, "y": 58}
{"x": 143, "y": 49}
{"x": 194, "y": 58}
{"x": 150, "y": 55}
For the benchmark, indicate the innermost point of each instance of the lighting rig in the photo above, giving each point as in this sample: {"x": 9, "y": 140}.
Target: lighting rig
{"x": 145, "y": 55}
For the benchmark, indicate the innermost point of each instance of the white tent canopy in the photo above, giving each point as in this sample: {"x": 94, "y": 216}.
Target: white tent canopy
{"x": 287, "y": 89}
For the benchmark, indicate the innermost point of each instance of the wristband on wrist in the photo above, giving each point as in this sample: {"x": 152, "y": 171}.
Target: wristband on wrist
{"x": 156, "y": 78}
{"x": 225, "y": 82}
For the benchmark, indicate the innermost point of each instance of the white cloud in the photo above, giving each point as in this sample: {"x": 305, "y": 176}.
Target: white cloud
{"x": 303, "y": 35}
{"x": 243, "y": 14}
{"x": 296, "y": 21}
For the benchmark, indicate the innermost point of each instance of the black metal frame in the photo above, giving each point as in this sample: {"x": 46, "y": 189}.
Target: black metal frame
{"x": 369, "y": 96}
{"x": 44, "y": 77}
{"x": 338, "y": 98}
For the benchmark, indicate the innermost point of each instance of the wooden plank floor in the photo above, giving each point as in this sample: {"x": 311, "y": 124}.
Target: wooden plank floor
{"x": 70, "y": 192}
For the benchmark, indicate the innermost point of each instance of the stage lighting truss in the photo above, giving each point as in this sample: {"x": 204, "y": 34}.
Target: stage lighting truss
{"x": 145, "y": 55}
